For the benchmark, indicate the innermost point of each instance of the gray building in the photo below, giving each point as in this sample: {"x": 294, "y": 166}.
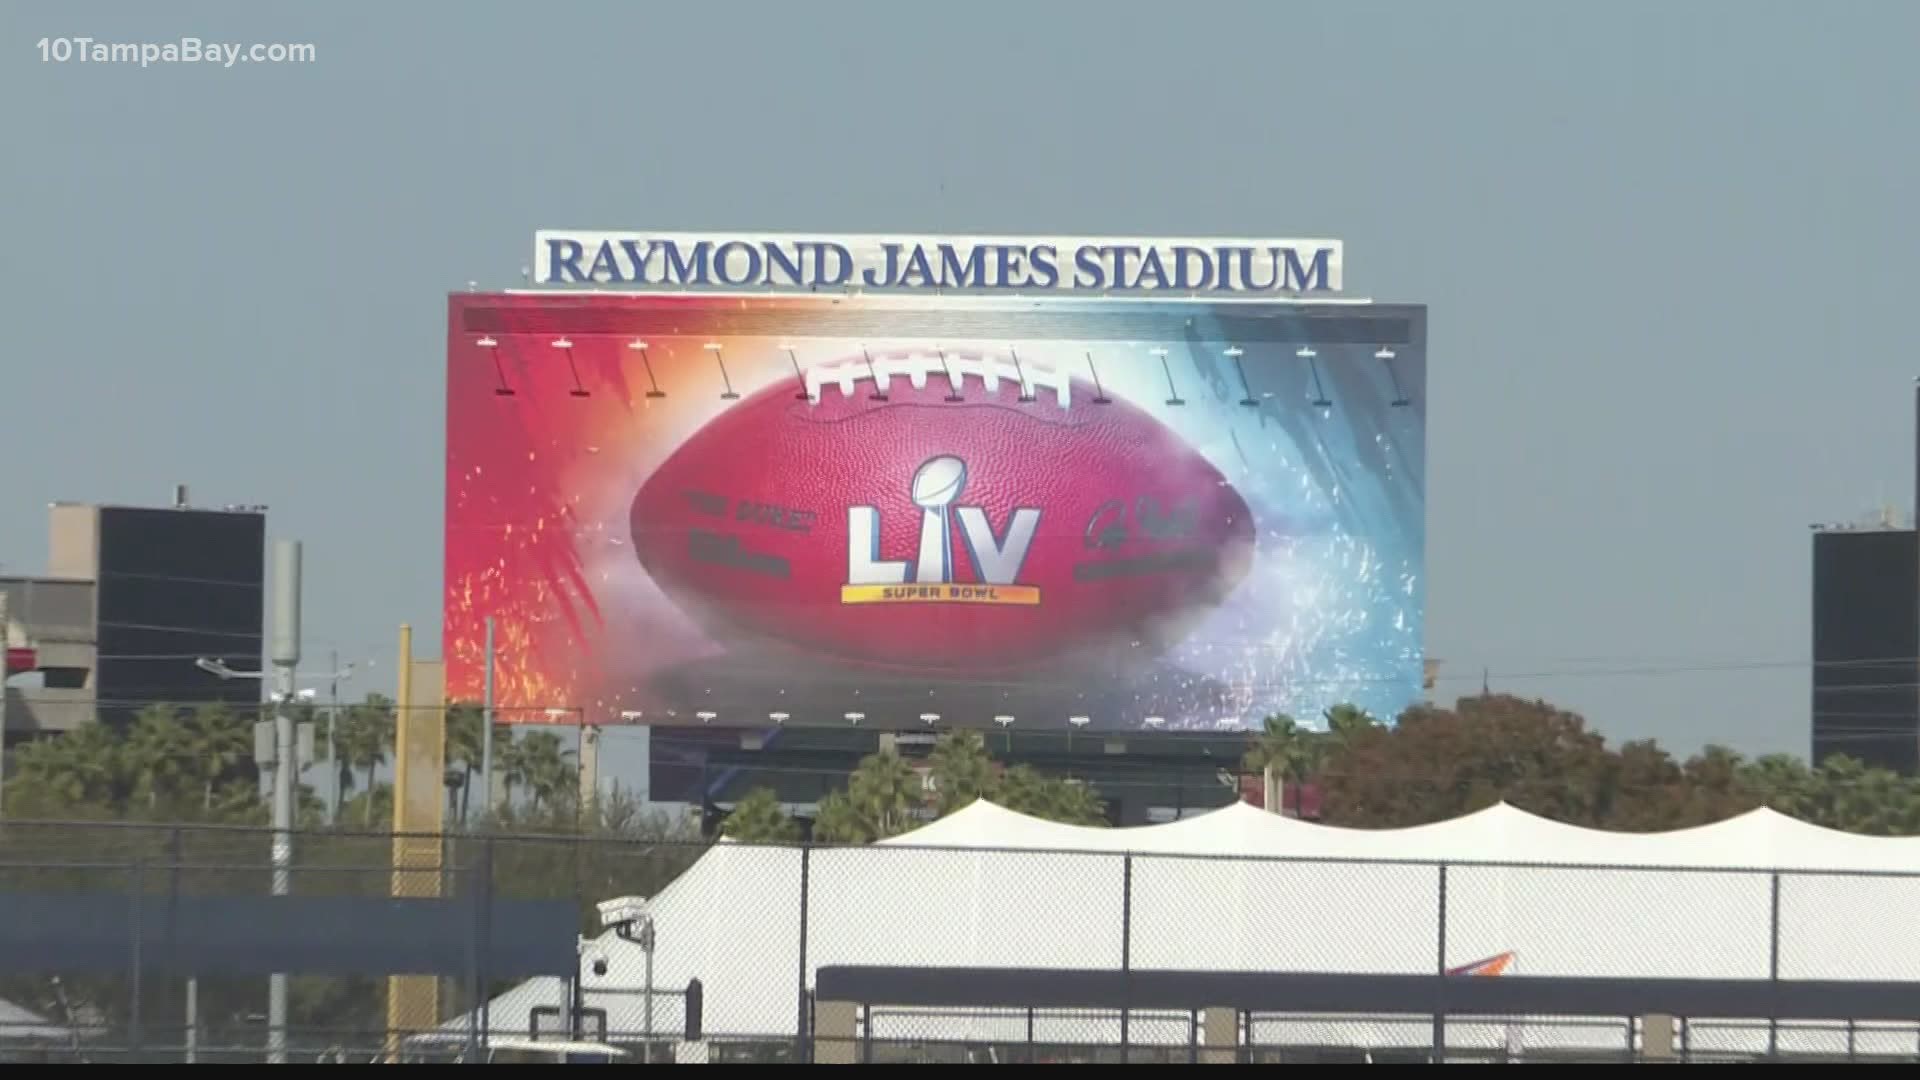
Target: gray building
{"x": 131, "y": 597}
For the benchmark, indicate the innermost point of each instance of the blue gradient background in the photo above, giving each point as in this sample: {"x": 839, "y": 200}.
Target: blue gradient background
{"x": 1333, "y": 611}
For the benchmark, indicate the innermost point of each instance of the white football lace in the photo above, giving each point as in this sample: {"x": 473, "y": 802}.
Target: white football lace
{"x": 917, "y": 366}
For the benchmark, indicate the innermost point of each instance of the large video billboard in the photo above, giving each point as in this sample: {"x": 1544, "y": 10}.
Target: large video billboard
{"x": 960, "y": 511}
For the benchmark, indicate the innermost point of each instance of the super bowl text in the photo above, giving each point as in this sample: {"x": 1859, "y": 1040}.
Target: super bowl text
{"x": 996, "y": 560}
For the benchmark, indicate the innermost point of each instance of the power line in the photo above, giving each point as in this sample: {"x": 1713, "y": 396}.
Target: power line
{"x": 193, "y": 631}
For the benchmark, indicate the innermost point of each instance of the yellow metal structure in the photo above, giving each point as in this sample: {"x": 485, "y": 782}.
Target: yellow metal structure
{"x": 419, "y": 768}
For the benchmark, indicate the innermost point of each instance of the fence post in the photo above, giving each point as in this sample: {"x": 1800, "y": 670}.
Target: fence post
{"x": 1773, "y": 969}
{"x": 485, "y": 1005}
{"x": 1126, "y": 953}
{"x": 472, "y": 888}
{"x": 1440, "y": 977}
{"x": 175, "y": 857}
{"x": 805, "y": 1049}
{"x": 137, "y": 962}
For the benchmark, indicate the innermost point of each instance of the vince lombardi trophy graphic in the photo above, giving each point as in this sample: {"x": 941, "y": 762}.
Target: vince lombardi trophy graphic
{"x": 936, "y": 484}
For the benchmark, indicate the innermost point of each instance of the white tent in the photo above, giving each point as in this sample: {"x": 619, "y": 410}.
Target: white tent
{"x": 19, "y": 1025}
{"x": 1242, "y": 890}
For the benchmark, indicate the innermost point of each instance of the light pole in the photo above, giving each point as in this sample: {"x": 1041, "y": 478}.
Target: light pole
{"x": 285, "y": 656}
{"x": 337, "y": 676}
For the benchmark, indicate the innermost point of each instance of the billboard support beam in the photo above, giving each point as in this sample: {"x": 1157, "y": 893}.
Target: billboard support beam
{"x": 4, "y": 671}
{"x": 486, "y": 731}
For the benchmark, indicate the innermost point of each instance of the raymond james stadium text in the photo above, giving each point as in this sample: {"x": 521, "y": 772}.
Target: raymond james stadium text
{"x": 187, "y": 50}
{"x": 932, "y": 263}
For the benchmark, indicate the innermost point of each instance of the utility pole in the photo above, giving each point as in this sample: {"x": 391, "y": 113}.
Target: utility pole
{"x": 285, "y": 657}
{"x": 486, "y": 732}
{"x": 333, "y": 745}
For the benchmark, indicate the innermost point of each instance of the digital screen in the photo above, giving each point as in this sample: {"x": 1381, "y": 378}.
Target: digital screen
{"x": 176, "y": 585}
{"x": 903, "y": 512}
{"x": 1866, "y": 634}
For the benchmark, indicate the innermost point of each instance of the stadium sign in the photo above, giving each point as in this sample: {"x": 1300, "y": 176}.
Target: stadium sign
{"x": 653, "y": 262}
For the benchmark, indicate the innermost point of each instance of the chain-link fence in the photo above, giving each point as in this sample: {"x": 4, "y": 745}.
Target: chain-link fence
{"x": 720, "y": 963}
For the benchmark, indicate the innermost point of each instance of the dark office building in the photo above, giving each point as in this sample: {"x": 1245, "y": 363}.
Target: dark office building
{"x": 1866, "y": 638}
{"x": 132, "y": 597}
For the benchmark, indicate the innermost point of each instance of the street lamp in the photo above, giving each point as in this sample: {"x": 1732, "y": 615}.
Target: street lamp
{"x": 219, "y": 669}
{"x": 284, "y": 652}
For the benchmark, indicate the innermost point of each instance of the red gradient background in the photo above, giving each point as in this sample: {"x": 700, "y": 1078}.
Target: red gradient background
{"x": 557, "y": 417}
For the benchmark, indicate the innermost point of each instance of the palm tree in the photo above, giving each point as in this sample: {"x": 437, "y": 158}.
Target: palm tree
{"x": 374, "y": 804}
{"x": 465, "y": 722}
{"x": 545, "y": 767}
{"x": 219, "y": 743}
{"x": 1346, "y": 723}
{"x": 81, "y": 770}
{"x": 1072, "y": 802}
{"x": 1052, "y": 798}
{"x": 158, "y": 754}
{"x": 962, "y": 770}
{"x": 835, "y": 821}
{"x": 510, "y": 761}
{"x": 878, "y": 803}
{"x": 1284, "y": 753}
{"x": 758, "y": 818}
{"x": 364, "y": 740}
{"x": 884, "y": 791}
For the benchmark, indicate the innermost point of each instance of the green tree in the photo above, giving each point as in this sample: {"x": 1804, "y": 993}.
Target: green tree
{"x": 625, "y": 849}
{"x": 373, "y": 808}
{"x": 1292, "y": 753}
{"x": 1346, "y": 724}
{"x": 466, "y": 723}
{"x": 537, "y": 761}
{"x": 509, "y": 760}
{"x": 1844, "y": 793}
{"x": 1050, "y": 797}
{"x": 76, "y": 774}
{"x": 758, "y": 818}
{"x": 962, "y": 771}
{"x": 1784, "y": 783}
{"x": 220, "y": 744}
{"x": 158, "y": 757}
{"x": 364, "y": 740}
{"x": 1642, "y": 789}
{"x": 886, "y": 791}
{"x": 1438, "y": 763}
{"x": 835, "y": 821}
{"x": 879, "y": 802}
{"x": 885, "y": 796}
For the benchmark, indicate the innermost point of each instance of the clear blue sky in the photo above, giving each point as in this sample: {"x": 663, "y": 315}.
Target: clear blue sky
{"x": 1669, "y": 250}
